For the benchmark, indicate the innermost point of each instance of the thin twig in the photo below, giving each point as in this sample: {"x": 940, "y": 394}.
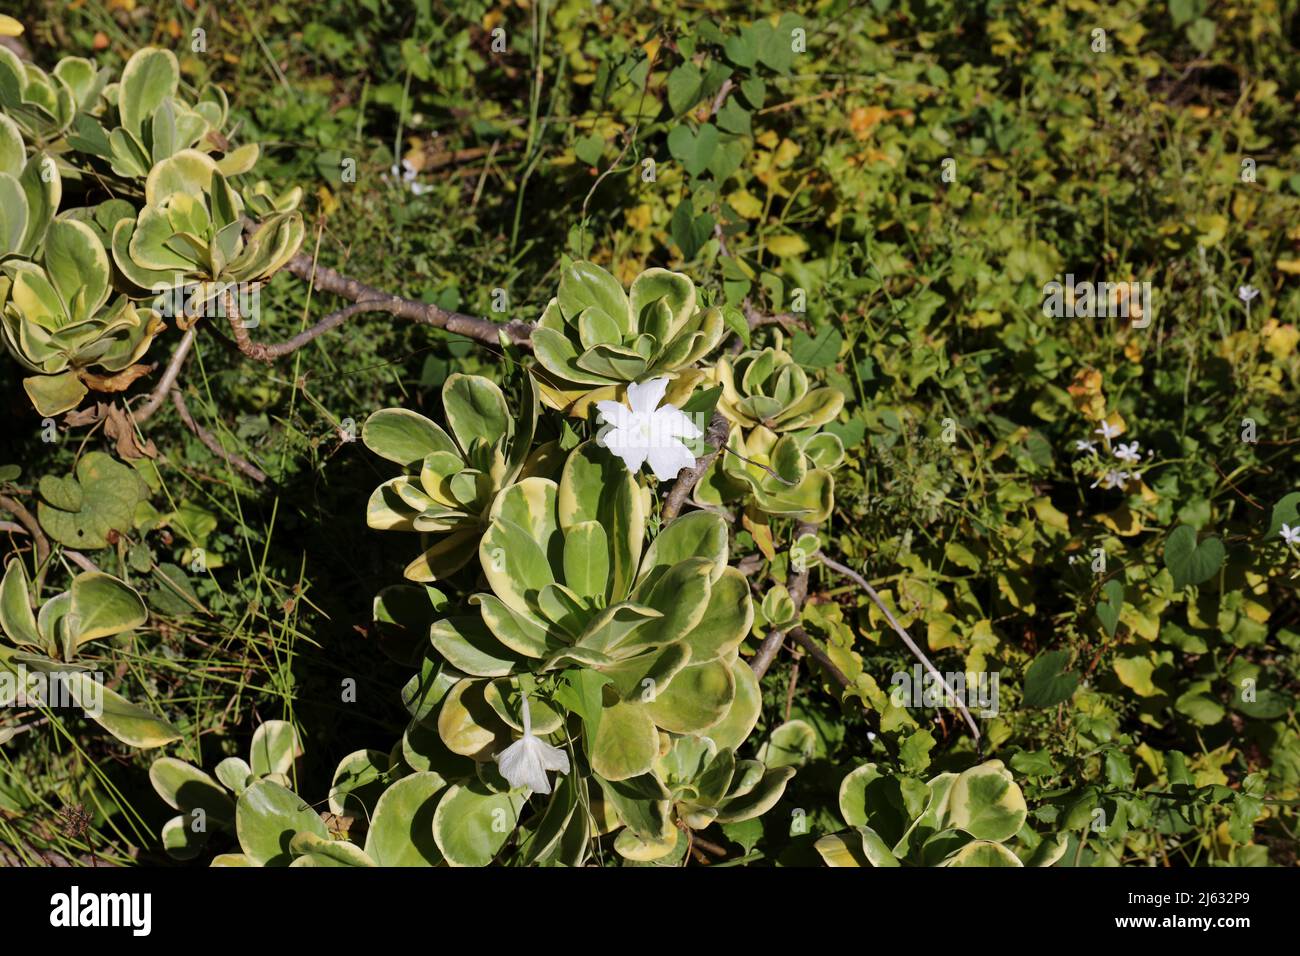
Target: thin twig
{"x": 205, "y": 436}
{"x": 716, "y": 437}
{"x": 800, "y": 637}
{"x": 904, "y": 636}
{"x": 168, "y": 380}
{"x": 33, "y": 527}
{"x": 798, "y": 588}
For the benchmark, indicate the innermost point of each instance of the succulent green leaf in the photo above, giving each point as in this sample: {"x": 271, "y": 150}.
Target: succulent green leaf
{"x": 103, "y": 606}
{"x": 17, "y": 618}
{"x": 267, "y": 816}
{"x": 626, "y": 742}
{"x": 149, "y": 77}
{"x": 186, "y": 788}
{"x": 401, "y": 828}
{"x": 126, "y": 721}
{"x": 986, "y": 802}
{"x": 471, "y": 823}
{"x": 404, "y": 436}
{"x": 274, "y": 748}
{"x": 475, "y": 408}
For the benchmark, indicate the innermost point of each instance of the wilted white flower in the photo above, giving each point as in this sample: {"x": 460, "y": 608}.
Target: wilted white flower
{"x": 1247, "y": 292}
{"x": 646, "y": 431}
{"x": 1291, "y": 535}
{"x": 1128, "y": 452}
{"x": 525, "y": 762}
{"x": 1081, "y": 444}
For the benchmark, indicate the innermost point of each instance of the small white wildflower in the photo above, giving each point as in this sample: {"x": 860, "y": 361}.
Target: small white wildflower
{"x": 1247, "y": 292}
{"x": 525, "y": 762}
{"x": 1128, "y": 452}
{"x": 1081, "y": 444}
{"x": 643, "y": 430}
{"x": 1112, "y": 479}
{"x": 1291, "y": 535}
{"x": 1107, "y": 430}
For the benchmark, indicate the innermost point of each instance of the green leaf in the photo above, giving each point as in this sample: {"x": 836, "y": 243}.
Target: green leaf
{"x": 106, "y": 497}
{"x": 471, "y": 823}
{"x": 1109, "y": 605}
{"x": 274, "y": 748}
{"x": 684, "y": 87}
{"x": 186, "y": 788}
{"x": 17, "y": 618}
{"x": 103, "y": 606}
{"x": 267, "y": 816}
{"x": 986, "y": 803}
{"x": 475, "y": 408}
{"x": 590, "y": 148}
{"x": 1047, "y": 683}
{"x": 401, "y": 829}
{"x": 126, "y": 721}
{"x": 1190, "y": 562}
{"x": 149, "y": 77}
{"x": 404, "y": 436}
{"x": 819, "y": 352}
{"x": 626, "y": 742}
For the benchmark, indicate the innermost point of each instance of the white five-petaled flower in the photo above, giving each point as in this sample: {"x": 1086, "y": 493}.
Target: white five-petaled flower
{"x": 1128, "y": 452}
{"x": 525, "y": 762}
{"x": 1081, "y": 444}
{"x": 1112, "y": 479}
{"x": 643, "y": 430}
{"x": 1107, "y": 430}
{"x": 1247, "y": 292}
{"x": 1291, "y": 535}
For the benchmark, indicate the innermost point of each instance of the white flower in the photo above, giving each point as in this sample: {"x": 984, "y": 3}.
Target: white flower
{"x": 1083, "y": 445}
{"x": 1247, "y": 292}
{"x": 1128, "y": 452}
{"x": 1107, "y": 430}
{"x": 525, "y": 762}
{"x": 1112, "y": 479}
{"x": 645, "y": 431}
{"x": 1291, "y": 535}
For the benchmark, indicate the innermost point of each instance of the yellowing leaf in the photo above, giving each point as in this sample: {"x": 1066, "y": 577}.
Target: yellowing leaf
{"x": 9, "y": 27}
{"x": 746, "y": 203}
{"x": 1135, "y": 674}
{"x": 1122, "y": 521}
{"x": 1289, "y": 266}
{"x": 786, "y": 152}
{"x": 1212, "y": 229}
{"x": 786, "y": 246}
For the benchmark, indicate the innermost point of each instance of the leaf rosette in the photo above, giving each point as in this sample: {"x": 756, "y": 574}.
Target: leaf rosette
{"x": 593, "y": 338}
{"x": 451, "y": 480}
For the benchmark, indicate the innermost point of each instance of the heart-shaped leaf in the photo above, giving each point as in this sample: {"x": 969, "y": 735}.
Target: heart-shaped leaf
{"x": 1190, "y": 562}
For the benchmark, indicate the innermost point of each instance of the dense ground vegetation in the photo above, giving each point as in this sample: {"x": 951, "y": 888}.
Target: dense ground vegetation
{"x": 887, "y": 202}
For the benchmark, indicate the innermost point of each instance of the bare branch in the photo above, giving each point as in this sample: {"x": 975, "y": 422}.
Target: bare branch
{"x": 168, "y": 380}
{"x": 800, "y": 637}
{"x": 214, "y": 445}
{"x": 716, "y": 437}
{"x": 904, "y": 636}
{"x": 484, "y": 330}
{"x": 786, "y": 320}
